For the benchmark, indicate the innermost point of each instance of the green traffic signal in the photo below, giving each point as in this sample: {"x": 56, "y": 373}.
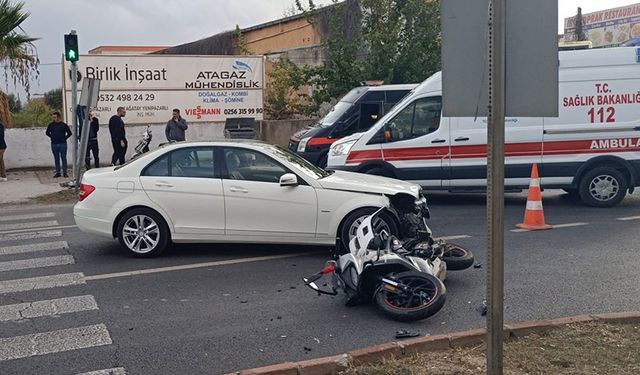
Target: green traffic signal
{"x": 71, "y": 47}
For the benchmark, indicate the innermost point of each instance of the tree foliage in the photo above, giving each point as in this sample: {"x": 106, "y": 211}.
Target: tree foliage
{"x": 17, "y": 52}
{"x": 397, "y": 41}
{"x": 35, "y": 113}
{"x": 15, "y": 104}
{"x": 53, "y": 98}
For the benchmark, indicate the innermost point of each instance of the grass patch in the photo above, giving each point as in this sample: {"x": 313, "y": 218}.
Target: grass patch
{"x": 63, "y": 196}
{"x": 589, "y": 349}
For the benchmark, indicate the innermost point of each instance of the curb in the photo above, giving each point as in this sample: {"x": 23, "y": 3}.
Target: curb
{"x": 376, "y": 353}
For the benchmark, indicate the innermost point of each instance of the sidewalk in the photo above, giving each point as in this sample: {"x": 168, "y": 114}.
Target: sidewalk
{"x": 23, "y": 185}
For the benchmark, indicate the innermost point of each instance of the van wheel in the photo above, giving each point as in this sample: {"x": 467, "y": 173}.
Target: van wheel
{"x": 379, "y": 171}
{"x": 603, "y": 187}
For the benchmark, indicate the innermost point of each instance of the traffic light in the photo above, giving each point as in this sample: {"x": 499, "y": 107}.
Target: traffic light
{"x": 71, "y": 47}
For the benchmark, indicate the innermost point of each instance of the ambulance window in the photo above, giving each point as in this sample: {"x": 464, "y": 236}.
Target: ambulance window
{"x": 420, "y": 118}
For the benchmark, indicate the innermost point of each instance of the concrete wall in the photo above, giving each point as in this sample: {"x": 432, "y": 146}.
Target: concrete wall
{"x": 31, "y": 148}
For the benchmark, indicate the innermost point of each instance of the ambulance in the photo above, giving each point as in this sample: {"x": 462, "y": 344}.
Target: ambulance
{"x": 591, "y": 150}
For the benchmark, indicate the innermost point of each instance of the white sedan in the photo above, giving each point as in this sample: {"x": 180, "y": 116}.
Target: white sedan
{"x": 240, "y": 192}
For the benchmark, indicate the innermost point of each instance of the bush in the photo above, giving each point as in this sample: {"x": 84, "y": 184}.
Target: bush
{"x": 36, "y": 113}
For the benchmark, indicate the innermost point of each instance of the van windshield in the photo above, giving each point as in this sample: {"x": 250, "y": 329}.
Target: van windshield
{"x": 334, "y": 115}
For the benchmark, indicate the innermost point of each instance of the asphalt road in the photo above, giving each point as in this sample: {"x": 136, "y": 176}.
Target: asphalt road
{"x": 231, "y": 307}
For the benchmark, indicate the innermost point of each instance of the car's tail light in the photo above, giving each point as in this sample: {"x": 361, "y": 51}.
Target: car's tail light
{"x": 85, "y": 191}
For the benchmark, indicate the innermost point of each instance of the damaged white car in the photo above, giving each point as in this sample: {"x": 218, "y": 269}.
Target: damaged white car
{"x": 238, "y": 192}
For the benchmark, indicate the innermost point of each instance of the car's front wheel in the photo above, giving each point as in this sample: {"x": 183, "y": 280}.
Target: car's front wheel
{"x": 143, "y": 233}
{"x": 350, "y": 225}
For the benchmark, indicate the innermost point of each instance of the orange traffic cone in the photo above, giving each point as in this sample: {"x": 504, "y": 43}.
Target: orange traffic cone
{"x": 534, "y": 214}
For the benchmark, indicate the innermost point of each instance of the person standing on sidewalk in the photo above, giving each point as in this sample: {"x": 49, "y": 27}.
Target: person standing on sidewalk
{"x": 3, "y": 147}
{"x": 118, "y": 136}
{"x": 59, "y": 132}
{"x": 92, "y": 146}
{"x": 176, "y": 127}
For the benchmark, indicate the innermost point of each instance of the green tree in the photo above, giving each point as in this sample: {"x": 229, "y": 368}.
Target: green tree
{"x": 17, "y": 52}
{"x": 15, "y": 105}
{"x": 53, "y": 98}
{"x": 241, "y": 42}
{"x": 282, "y": 99}
{"x": 36, "y": 113}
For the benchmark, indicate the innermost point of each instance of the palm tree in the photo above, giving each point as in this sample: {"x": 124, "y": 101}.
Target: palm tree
{"x": 18, "y": 55}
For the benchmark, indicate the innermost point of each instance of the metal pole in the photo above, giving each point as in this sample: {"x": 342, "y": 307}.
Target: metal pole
{"x": 74, "y": 116}
{"x": 84, "y": 139}
{"x": 495, "y": 186}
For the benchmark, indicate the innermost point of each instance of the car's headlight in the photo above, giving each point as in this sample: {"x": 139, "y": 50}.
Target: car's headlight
{"x": 342, "y": 148}
{"x": 303, "y": 144}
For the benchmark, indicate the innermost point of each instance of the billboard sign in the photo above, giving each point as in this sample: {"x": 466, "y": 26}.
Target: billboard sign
{"x": 607, "y": 27}
{"x": 204, "y": 88}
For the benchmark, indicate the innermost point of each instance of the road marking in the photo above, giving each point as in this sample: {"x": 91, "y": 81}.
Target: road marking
{"x": 190, "y": 266}
{"x": 629, "y": 218}
{"x": 50, "y": 307}
{"x": 111, "y": 371}
{"x": 30, "y": 235}
{"x": 449, "y": 238}
{"x": 54, "y": 342}
{"x": 42, "y": 282}
{"x": 34, "y": 224}
{"x": 42, "y": 215}
{"x": 569, "y": 225}
{"x": 25, "y": 264}
{"x": 37, "y": 229}
{"x": 44, "y": 246}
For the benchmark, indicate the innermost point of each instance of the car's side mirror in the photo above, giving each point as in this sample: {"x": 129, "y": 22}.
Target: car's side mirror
{"x": 289, "y": 179}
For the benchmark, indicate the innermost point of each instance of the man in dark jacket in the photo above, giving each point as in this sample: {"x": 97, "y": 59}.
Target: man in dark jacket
{"x": 3, "y": 147}
{"x": 176, "y": 127}
{"x": 92, "y": 146}
{"x": 118, "y": 136}
{"x": 59, "y": 132}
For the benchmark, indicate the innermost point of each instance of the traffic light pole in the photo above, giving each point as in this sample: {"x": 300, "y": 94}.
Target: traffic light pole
{"x": 74, "y": 116}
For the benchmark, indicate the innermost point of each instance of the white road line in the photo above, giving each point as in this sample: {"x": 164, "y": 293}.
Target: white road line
{"x": 569, "y": 225}
{"x": 25, "y": 264}
{"x": 33, "y": 224}
{"x": 42, "y": 282}
{"x": 190, "y": 266}
{"x": 44, "y": 246}
{"x": 54, "y": 342}
{"x": 449, "y": 238}
{"x": 50, "y": 307}
{"x": 42, "y": 215}
{"x": 110, "y": 371}
{"x": 30, "y": 235}
{"x": 37, "y": 229}
{"x": 628, "y": 218}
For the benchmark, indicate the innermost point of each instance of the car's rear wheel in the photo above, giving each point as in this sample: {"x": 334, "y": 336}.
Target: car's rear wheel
{"x": 143, "y": 233}
{"x": 383, "y": 221}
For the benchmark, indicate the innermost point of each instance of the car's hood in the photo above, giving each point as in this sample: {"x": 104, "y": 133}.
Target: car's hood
{"x": 365, "y": 183}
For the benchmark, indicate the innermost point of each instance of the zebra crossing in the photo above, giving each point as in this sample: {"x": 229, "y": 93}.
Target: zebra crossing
{"x": 30, "y": 247}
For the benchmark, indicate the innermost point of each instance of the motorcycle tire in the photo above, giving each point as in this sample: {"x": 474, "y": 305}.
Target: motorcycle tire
{"x": 390, "y": 304}
{"x": 457, "y": 257}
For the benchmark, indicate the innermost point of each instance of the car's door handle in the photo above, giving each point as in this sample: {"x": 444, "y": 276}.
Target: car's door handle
{"x": 439, "y": 141}
{"x": 461, "y": 139}
{"x": 235, "y": 189}
{"x": 163, "y": 184}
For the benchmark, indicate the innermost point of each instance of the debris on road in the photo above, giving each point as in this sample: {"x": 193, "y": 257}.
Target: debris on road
{"x": 477, "y": 265}
{"x": 403, "y": 333}
{"x": 306, "y": 349}
{"x": 483, "y": 308}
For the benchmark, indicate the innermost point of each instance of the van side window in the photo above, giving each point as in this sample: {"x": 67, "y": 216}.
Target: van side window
{"x": 420, "y": 118}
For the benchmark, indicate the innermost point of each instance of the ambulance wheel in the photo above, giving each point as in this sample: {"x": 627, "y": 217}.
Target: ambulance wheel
{"x": 603, "y": 187}
{"x": 379, "y": 171}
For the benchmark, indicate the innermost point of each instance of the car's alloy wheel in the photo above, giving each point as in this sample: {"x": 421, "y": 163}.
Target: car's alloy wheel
{"x": 378, "y": 225}
{"x": 143, "y": 233}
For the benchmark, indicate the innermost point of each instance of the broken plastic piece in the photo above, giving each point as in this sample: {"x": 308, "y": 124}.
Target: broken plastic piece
{"x": 403, "y": 333}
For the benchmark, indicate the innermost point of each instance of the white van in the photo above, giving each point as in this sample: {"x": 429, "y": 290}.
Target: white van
{"x": 592, "y": 149}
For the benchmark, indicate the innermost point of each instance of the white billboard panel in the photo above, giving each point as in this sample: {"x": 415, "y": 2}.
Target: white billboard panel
{"x": 204, "y": 88}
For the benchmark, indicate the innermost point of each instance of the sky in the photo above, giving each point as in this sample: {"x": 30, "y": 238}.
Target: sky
{"x": 166, "y": 22}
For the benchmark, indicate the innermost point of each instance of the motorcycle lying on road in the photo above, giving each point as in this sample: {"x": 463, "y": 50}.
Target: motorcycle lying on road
{"x": 405, "y": 280}
{"x": 143, "y": 143}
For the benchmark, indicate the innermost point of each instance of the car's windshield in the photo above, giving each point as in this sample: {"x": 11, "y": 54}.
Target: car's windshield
{"x": 302, "y": 164}
{"x": 334, "y": 115}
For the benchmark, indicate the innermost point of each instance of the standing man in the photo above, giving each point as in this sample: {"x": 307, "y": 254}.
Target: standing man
{"x": 3, "y": 147}
{"x": 92, "y": 146}
{"x": 118, "y": 136}
{"x": 59, "y": 132}
{"x": 176, "y": 127}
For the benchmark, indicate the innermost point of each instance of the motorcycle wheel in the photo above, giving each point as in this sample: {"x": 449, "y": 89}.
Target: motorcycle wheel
{"x": 457, "y": 257}
{"x": 404, "y": 309}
